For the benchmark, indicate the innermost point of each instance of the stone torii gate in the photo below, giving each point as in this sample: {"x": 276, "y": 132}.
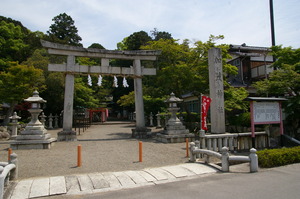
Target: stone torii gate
{"x": 71, "y": 68}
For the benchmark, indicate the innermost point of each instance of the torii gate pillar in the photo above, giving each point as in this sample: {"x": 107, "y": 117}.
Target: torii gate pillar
{"x": 67, "y": 134}
{"x": 140, "y": 130}
{"x": 138, "y": 91}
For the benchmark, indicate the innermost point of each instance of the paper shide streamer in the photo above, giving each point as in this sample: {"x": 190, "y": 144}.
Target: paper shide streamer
{"x": 99, "y": 83}
{"x": 115, "y": 82}
{"x": 125, "y": 84}
{"x": 89, "y": 80}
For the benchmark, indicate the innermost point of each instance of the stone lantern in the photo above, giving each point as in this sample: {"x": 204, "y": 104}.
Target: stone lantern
{"x": 14, "y": 122}
{"x": 174, "y": 131}
{"x": 173, "y": 109}
{"x": 35, "y": 110}
{"x": 35, "y": 135}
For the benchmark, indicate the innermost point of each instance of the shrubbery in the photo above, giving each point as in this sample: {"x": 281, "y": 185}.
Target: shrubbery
{"x": 278, "y": 157}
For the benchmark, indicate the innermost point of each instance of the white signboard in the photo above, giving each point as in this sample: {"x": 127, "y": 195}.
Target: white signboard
{"x": 265, "y": 112}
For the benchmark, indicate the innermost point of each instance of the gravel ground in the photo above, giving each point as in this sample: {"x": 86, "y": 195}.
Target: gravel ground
{"x": 104, "y": 148}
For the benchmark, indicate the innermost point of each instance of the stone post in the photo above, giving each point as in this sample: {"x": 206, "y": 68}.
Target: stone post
{"x": 208, "y": 144}
{"x": 2, "y": 182}
{"x": 14, "y": 123}
{"x": 253, "y": 160}
{"x": 216, "y": 90}
{"x": 158, "y": 120}
{"x": 230, "y": 142}
{"x": 14, "y": 160}
{"x": 214, "y": 143}
{"x": 56, "y": 121}
{"x": 220, "y": 144}
{"x": 43, "y": 118}
{"x": 50, "y": 121}
{"x": 225, "y": 162}
{"x": 68, "y": 134}
{"x": 202, "y": 138}
{"x": 192, "y": 148}
{"x": 151, "y": 119}
{"x": 197, "y": 143}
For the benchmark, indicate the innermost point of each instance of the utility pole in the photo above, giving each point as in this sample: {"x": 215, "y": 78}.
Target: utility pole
{"x": 272, "y": 23}
{"x": 272, "y": 28}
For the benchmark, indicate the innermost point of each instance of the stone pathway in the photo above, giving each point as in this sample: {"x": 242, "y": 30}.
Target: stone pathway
{"x": 100, "y": 182}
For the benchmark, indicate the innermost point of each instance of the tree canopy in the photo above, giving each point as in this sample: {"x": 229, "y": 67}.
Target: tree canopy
{"x": 64, "y": 31}
{"x": 12, "y": 43}
{"x": 17, "y": 43}
{"x": 19, "y": 82}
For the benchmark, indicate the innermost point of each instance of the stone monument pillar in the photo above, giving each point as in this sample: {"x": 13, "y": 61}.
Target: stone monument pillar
{"x": 35, "y": 135}
{"x": 216, "y": 90}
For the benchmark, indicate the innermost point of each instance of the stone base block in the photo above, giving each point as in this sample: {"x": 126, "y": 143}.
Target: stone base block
{"x": 141, "y": 133}
{"x": 175, "y": 138}
{"x": 34, "y": 137}
{"x": 32, "y": 144}
{"x": 66, "y": 136}
{"x": 176, "y": 131}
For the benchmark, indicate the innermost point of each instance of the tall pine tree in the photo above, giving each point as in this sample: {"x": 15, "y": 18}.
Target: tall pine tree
{"x": 64, "y": 31}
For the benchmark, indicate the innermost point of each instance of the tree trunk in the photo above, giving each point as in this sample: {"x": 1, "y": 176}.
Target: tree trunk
{"x": 9, "y": 113}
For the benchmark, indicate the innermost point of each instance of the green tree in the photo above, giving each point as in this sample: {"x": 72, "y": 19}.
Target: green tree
{"x": 285, "y": 81}
{"x": 157, "y": 35}
{"x": 64, "y": 31}
{"x": 39, "y": 59}
{"x": 18, "y": 83}
{"x": 54, "y": 94}
{"x": 97, "y": 61}
{"x": 17, "y": 43}
{"x": 151, "y": 104}
{"x": 136, "y": 40}
{"x": 11, "y": 43}
{"x": 182, "y": 68}
{"x": 96, "y": 45}
{"x": 83, "y": 95}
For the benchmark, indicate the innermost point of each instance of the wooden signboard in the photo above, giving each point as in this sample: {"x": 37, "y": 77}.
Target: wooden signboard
{"x": 265, "y": 111}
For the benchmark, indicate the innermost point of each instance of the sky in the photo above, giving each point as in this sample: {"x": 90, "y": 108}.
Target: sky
{"x": 109, "y": 21}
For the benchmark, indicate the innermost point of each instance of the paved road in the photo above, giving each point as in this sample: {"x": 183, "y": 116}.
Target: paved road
{"x": 276, "y": 183}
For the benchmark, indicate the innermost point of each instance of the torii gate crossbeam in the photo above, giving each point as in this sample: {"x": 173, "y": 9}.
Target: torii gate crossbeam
{"x": 71, "y": 68}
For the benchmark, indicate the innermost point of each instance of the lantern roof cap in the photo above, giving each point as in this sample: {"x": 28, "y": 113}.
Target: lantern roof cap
{"x": 14, "y": 116}
{"x": 172, "y": 98}
{"x": 35, "y": 98}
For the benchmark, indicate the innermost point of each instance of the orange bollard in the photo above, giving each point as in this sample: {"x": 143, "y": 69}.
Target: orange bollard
{"x": 9, "y": 153}
{"x": 187, "y": 146}
{"x": 79, "y": 155}
{"x": 140, "y": 151}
